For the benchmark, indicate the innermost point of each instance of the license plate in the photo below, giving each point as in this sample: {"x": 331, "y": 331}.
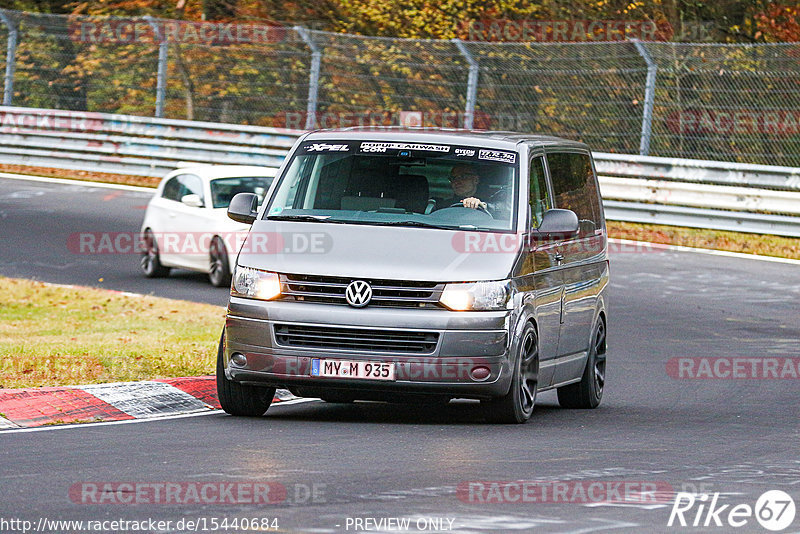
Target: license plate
{"x": 349, "y": 369}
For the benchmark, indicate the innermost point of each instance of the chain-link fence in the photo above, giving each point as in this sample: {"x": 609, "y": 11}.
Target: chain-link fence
{"x": 709, "y": 101}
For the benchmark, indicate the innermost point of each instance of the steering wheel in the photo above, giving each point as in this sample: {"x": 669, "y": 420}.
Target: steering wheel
{"x": 480, "y": 207}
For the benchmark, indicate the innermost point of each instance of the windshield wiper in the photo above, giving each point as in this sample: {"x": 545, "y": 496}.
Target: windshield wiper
{"x": 412, "y": 223}
{"x": 363, "y": 222}
{"x": 305, "y": 218}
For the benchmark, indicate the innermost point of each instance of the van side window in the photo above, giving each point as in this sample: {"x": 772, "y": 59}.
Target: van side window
{"x": 539, "y": 197}
{"x": 574, "y": 188}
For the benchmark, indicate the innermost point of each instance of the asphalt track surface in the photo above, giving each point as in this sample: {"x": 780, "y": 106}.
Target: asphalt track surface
{"x": 339, "y": 463}
{"x": 40, "y": 227}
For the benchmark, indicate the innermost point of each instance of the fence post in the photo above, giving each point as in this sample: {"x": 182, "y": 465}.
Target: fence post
{"x": 649, "y": 97}
{"x": 11, "y": 54}
{"x": 472, "y": 84}
{"x": 161, "y": 80}
{"x": 313, "y": 77}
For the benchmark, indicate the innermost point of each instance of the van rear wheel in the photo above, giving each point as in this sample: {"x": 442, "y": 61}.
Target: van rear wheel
{"x": 238, "y": 399}
{"x": 588, "y": 392}
{"x": 517, "y": 405}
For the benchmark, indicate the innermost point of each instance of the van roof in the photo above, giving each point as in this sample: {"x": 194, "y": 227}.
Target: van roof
{"x": 487, "y": 138}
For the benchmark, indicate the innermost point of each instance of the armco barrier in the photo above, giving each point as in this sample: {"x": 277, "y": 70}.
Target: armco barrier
{"x": 681, "y": 192}
{"x": 126, "y": 144}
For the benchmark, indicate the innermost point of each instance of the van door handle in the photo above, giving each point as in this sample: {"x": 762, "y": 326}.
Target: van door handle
{"x": 559, "y": 257}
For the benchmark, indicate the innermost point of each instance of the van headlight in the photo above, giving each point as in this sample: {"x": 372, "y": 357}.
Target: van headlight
{"x": 255, "y": 284}
{"x": 477, "y": 296}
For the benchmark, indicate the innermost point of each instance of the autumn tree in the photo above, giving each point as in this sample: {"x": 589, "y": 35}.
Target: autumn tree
{"x": 779, "y": 23}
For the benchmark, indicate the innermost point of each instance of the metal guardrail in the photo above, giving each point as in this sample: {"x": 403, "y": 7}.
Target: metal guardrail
{"x": 680, "y": 192}
{"x": 126, "y": 144}
{"x": 700, "y": 195}
{"x": 701, "y": 171}
{"x": 735, "y": 221}
{"x": 718, "y": 195}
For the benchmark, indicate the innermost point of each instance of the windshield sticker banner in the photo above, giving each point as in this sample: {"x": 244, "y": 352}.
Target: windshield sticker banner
{"x": 498, "y": 155}
{"x": 383, "y": 147}
{"x": 325, "y": 147}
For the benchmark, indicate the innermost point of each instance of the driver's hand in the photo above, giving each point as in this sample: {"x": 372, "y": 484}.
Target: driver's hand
{"x": 473, "y": 203}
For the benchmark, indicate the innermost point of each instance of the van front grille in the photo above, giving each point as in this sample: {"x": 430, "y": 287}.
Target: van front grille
{"x": 387, "y": 293}
{"x": 360, "y": 339}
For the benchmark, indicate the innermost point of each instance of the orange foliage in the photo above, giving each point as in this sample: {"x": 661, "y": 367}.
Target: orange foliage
{"x": 779, "y": 23}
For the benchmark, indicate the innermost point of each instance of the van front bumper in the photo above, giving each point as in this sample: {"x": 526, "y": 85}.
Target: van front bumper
{"x": 464, "y": 341}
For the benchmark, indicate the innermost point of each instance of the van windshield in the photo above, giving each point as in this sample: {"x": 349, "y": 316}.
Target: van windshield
{"x": 398, "y": 183}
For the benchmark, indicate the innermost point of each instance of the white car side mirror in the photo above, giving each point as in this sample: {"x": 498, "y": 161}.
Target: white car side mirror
{"x": 193, "y": 200}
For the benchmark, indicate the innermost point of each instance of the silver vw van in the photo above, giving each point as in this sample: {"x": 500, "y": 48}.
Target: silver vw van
{"x": 400, "y": 264}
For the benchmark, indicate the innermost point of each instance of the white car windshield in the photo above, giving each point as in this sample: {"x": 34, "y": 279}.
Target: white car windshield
{"x": 396, "y": 183}
{"x": 224, "y": 189}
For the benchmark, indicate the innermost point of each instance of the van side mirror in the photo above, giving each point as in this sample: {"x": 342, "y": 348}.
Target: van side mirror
{"x": 243, "y": 208}
{"x": 192, "y": 200}
{"x": 557, "y": 224}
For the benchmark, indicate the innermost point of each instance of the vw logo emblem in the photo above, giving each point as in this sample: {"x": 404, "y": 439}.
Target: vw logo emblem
{"x": 358, "y": 293}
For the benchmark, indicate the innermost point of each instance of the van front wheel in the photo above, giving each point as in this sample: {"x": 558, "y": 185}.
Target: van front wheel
{"x": 237, "y": 399}
{"x": 517, "y": 405}
{"x": 589, "y": 391}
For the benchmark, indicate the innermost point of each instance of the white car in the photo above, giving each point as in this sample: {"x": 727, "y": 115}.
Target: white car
{"x": 186, "y": 224}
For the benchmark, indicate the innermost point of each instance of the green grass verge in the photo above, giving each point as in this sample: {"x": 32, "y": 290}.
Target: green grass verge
{"x": 53, "y": 336}
{"x": 88, "y": 176}
{"x": 765, "y": 245}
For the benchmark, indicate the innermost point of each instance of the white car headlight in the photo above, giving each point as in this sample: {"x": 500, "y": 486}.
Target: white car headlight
{"x": 477, "y": 296}
{"x": 255, "y": 284}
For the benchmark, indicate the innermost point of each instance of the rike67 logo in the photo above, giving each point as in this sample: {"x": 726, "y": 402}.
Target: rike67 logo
{"x": 774, "y": 510}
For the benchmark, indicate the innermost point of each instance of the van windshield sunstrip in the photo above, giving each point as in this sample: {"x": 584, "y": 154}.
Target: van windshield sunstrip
{"x": 403, "y": 184}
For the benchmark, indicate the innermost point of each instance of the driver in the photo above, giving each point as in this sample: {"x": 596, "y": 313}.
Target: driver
{"x": 464, "y": 180}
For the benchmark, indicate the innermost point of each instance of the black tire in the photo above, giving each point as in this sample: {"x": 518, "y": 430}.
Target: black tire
{"x": 588, "y": 393}
{"x": 237, "y": 399}
{"x": 517, "y": 405}
{"x": 150, "y": 261}
{"x": 219, "y": 272}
